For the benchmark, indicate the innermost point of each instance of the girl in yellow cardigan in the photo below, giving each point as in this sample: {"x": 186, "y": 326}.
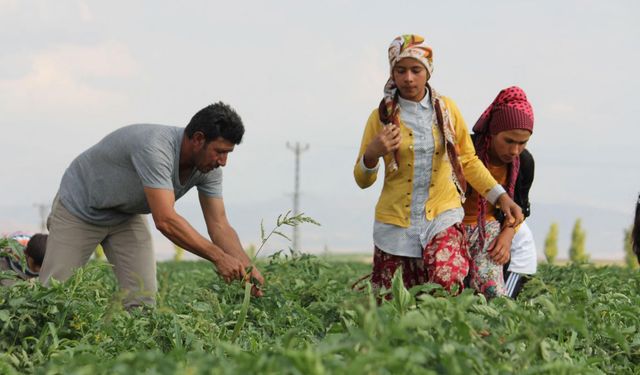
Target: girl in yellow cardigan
{"x": 428, "y": 158}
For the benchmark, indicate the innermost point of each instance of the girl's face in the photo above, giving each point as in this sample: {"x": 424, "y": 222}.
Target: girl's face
{"x": 410, "y": 76}
{"x": 506, "y": 145}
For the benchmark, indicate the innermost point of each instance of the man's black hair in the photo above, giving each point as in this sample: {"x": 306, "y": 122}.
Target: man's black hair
{"x": 217, "y": 120}
{"x": 36, "y": 248}
{"x": 635, "y": 233}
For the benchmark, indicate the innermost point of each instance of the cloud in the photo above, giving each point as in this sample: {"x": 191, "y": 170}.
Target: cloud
{"x": 67, "y": 76}
{"x": 9, "y": 5}
{"x": 44, "y": 12}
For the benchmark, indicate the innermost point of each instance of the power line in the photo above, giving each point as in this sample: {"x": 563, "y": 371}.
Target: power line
{"x": 297, "y": 150}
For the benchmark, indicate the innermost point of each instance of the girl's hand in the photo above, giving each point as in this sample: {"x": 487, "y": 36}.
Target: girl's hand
{"x": 388, "y": 140}
{"x": 500, "y": 249}
{"x": 512, "y": 212}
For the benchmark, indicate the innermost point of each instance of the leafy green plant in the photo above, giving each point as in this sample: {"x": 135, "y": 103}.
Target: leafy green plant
{"x": 577, "y": 319}
{"x": 282, "y": 220}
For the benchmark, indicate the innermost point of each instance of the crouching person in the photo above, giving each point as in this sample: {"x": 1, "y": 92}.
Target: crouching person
{"x": 33, "y": 256}
{"x": 500, "y": 137}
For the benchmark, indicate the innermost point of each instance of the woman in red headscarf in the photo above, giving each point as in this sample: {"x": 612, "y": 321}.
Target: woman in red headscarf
{"x": 500, "y": 136}
{"x": 428, "y": 158}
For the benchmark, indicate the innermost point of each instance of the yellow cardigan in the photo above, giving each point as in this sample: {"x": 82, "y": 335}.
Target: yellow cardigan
{"x": 394, "y": 204}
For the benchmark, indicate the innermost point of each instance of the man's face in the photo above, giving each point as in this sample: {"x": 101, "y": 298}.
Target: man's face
{"x": 213, "y": 154}
{"x": 506, "y": 145}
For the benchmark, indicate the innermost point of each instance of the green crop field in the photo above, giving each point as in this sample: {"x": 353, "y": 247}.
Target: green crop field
{"x": 572, "y": 320}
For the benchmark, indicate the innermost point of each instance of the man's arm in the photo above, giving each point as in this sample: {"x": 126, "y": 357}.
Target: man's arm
{"x": 180, "y": 232}
{"x": 223, "y": 235}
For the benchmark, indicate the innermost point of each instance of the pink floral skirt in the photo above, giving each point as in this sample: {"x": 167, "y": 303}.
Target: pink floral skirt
{"x": 445, "y": 261}
{"x": 485, "y": 276}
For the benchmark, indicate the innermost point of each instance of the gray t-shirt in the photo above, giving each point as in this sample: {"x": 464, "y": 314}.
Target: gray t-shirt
{"x": 104, "y": 184}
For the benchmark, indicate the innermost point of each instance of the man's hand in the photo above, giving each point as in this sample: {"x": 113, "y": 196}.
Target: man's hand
{"x": 230, "y": 268}
{"x": 388, "y": 140}
{"x": 500, "y": 249}
{"x": 512, "y": 212}
{"x": 255, "y": 277}
{"x": 224, "y": 236}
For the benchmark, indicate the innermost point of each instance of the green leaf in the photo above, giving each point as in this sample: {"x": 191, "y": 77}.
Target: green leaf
{"x": 17, "y": 302}
{"x": 243, "y": 312}
{"x": 281, "y": 234}
{"x": 485, "y": 310}
{"x": 401, "y": 297}
{"x": 4, "y": 315}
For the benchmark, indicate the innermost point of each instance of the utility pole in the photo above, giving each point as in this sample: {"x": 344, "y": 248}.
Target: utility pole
{"x": 43, "y": 211}
{"x": 297, "y": 150}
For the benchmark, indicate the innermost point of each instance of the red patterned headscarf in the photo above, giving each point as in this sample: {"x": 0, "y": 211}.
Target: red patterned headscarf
{"x": 509, "y": 110}
{"x": 414, "y": 46}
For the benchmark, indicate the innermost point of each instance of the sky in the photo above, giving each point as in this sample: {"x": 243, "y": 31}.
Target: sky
{"x": 311, "y": 72}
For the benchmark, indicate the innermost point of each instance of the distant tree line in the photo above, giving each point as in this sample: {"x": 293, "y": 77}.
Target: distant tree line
{"x": 577, "y": 249}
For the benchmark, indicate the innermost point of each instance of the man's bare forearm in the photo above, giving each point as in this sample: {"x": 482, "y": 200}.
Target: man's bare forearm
{"x": 181, "y": 233}
{"x": 227, "y": 239}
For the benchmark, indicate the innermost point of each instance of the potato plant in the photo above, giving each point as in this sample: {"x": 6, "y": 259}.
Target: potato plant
{"x": 575, "y": 319}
